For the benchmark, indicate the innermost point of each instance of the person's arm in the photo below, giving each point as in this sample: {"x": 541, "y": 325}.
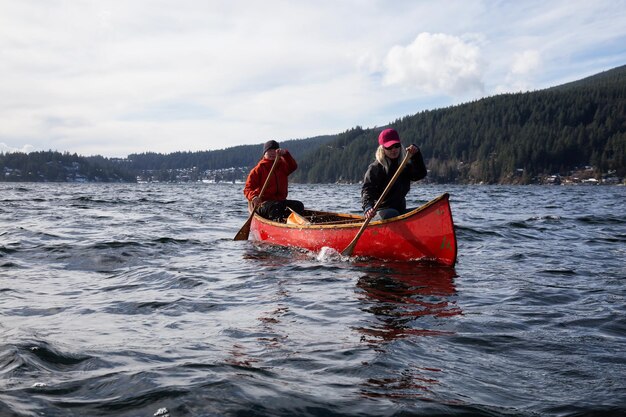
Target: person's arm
{"x": 417, "y": 168}
{"x": 291, "y": 163}
{"x": 252, "y": 188}
{"x": 371, "y": 190}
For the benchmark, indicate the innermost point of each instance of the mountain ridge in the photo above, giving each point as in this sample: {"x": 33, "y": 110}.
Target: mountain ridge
{"x": 505, "y": 138}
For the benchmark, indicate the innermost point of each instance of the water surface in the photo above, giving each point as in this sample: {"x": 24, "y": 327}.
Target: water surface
{"x": 133, "y": 300}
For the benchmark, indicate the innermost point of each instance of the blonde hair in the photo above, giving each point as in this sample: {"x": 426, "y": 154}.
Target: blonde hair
{"x": 383, "y": 160}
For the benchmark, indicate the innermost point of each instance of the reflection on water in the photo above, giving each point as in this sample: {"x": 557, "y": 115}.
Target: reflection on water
{"x": 272, "y": 335}
{"x": 268, "y": 334}
{"x": 400, "y": 295}
{"x": 410, "y": 383}
{"x": 237, "y": 356}
{"x": 406, "y": 301}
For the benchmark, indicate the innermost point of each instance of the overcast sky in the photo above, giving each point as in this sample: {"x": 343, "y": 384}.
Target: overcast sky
{"x": 114, "y": 77}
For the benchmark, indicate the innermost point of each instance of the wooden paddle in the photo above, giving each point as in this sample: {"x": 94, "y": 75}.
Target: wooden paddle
{"x": 350, "y": 248}
{"x": 244, "y": 232}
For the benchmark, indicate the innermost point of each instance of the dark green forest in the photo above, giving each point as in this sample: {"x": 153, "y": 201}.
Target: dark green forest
{"x": 54, "y": 166}
{"x": 505, "y": 139}
{"x": 237, "y": 156}
{"x": 509, "y": 138}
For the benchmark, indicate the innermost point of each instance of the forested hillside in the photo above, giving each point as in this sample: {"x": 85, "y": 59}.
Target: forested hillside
{"x": 62, "y": 167}
{"x": 237, "y": 156}
{"x": 510, "y": 138}
{"x": 227, "y": 164}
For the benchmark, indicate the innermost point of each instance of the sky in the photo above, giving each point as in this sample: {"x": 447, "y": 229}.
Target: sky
{"x": 116, "y": 77}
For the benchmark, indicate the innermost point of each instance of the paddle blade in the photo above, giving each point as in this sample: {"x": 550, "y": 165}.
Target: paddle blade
{"x": 349, "y": 249}
{"x": 244, "y": 232}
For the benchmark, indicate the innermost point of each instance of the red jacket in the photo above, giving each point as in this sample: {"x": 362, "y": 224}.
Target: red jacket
{"x": 276, "y": 189}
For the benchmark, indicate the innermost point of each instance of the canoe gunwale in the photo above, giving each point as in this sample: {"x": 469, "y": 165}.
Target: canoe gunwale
{"x": 352, "y": 220}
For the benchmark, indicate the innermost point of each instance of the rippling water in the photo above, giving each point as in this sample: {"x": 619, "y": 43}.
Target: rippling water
{"x": 133, "y": 300}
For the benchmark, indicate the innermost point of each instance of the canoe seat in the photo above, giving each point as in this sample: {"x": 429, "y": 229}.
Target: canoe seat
{"x": 295, "y": 218}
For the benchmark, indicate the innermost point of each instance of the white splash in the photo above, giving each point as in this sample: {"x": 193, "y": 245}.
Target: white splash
{"x": 329, "y": 254}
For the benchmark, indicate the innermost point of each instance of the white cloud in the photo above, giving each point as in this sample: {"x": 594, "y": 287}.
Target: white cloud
{"x": 4, "y": 148}
{"x": 435, "y": 63}
{"x": 526, "y": 62}
{"x": 525, "y": 66}
{"x": 118, "y": 76}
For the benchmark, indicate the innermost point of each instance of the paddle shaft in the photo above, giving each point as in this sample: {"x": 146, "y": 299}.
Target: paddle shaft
{"x": 350, "y": 248}
{"x": 244, "y": 232}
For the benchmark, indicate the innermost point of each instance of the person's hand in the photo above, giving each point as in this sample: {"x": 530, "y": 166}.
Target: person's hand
{"x": 254, "y": 201}
{"x": 281, "y": 152}
{"x": 412, "y": 149}
{"x": 369, "y": 214}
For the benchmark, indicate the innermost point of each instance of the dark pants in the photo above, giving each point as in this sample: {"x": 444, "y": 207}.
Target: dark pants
{"x": 278, "y": 211}
{"x": 388, "y": 213}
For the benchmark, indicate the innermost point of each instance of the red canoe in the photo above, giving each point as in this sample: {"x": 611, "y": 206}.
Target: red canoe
{"x": 424, "y": 234}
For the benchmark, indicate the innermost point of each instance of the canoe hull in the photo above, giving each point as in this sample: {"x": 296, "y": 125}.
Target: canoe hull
{"x": 425, "y": 234}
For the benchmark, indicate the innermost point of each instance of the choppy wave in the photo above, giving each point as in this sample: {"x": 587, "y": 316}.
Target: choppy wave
{"x": 133, "y": 300}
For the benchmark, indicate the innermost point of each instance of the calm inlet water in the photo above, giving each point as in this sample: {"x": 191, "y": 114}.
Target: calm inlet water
{"x": 133, "y": 300}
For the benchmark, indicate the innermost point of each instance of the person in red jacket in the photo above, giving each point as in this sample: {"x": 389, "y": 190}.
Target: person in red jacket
{"x": 273, "y": 204}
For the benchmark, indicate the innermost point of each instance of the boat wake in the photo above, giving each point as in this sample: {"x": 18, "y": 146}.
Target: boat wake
{"x": 328, "y": 254}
